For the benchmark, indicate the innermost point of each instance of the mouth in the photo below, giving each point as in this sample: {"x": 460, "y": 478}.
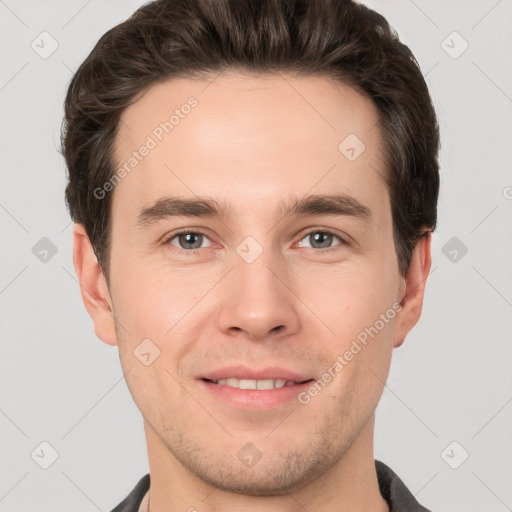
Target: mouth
{"x": 254, "y": 390}
{"x": 259, "y": 385}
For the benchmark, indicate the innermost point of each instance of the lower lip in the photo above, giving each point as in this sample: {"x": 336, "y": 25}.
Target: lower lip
{"x": 255, "y": 399}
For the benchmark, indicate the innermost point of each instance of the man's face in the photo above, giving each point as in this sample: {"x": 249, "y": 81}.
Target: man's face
{"x": 274, "y": 295}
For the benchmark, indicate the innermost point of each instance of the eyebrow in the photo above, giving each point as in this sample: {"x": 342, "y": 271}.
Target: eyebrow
{"x": 206, "y": 207}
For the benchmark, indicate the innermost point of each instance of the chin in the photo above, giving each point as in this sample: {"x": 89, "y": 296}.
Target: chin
{"x": 271, "y": 471}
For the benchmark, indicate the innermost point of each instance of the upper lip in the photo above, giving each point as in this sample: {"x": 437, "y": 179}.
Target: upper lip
{"x": 242, "y": 372}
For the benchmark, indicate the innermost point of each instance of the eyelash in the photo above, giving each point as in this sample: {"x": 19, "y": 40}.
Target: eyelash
{"x": 167, "y": 240}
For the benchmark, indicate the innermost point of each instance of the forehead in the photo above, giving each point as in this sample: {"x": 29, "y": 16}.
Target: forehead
{"x": 246, "y": 139}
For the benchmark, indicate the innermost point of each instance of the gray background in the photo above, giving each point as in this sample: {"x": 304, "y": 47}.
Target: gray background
{"x": 451, "y": 382}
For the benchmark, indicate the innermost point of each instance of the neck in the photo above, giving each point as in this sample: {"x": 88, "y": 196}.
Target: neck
{"x": 350, "y": 484}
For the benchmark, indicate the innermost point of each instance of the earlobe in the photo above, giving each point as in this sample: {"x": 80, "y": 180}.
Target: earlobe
{"x": 93, "y": 287}
{"x": 414, "y": 284}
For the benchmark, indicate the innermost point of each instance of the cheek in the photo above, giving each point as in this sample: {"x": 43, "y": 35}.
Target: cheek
{"x": 360, "y": 312}
{"x": 151, "y": 313}
{"x": 158, "y": 313}
{"x": 355, "y": 301}
{"x": 150, "y": 301}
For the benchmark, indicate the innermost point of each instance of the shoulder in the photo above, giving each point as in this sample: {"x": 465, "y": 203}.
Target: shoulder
{"x": 132, "y": 502}
{"x": 395, "y": 492}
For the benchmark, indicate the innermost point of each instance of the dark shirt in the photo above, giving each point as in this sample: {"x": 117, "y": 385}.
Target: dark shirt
{"x": 393, "y": 490}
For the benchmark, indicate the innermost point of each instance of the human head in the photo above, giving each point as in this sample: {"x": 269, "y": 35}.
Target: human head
{"x": 342, "y": 39}
{"x": 255, "y": 135}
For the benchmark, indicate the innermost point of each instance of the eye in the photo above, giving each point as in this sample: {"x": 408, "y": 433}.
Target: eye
{"x": 188, "y": 241}
{"x": 321, "y": 239}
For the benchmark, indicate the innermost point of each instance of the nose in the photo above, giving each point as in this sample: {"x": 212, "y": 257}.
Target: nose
{"x": 258, "y": 301}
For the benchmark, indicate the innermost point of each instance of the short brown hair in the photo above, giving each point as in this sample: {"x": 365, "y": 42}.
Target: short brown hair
{"x": 342, "y": 39}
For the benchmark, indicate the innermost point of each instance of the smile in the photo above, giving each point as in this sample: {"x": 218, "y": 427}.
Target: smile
{"x": 263, "y": 384}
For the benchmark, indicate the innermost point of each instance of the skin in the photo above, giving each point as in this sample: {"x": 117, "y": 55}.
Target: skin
{"x": 252, "y": 141}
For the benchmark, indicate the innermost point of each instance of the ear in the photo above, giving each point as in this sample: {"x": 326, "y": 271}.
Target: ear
{"x": 412, "y": 289}
{"x": 93, "y": 287}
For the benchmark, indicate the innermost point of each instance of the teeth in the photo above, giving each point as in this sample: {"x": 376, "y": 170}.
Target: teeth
{"x": 255, "y": 384}
{"x": 245, "y": 384}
